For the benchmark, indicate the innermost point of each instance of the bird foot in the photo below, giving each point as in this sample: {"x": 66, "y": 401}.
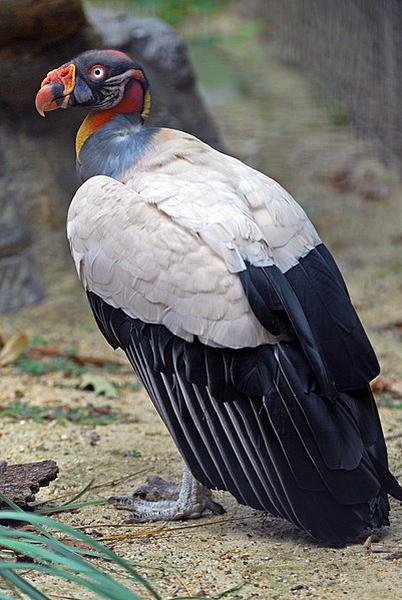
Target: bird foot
{"x": 162, "y": 500}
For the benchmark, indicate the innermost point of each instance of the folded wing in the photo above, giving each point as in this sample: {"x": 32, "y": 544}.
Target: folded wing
{"x": 136, "y": 256}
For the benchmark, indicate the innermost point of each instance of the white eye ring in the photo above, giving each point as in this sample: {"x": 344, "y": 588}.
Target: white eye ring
{"x": 97, "y": 72}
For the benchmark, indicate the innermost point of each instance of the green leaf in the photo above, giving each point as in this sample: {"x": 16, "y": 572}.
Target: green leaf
{"x": 104, "y": 586}
{"x": 24, "y": 585}
{"x": 133, "y": 453}
{"x": 51, "y": 510}
{"x": 93, "y": 415}
{"x": 79, "y": 495}
{"x": 100, "y": 583}
{"x": 39, "y": 340}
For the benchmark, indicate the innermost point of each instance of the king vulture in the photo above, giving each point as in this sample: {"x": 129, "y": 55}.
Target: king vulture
{"x": 230, "y": 309}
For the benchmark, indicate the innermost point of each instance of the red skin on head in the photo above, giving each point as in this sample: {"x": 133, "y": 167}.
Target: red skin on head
{"x": 116, "y": 53}
{"x": 131, "y": 102}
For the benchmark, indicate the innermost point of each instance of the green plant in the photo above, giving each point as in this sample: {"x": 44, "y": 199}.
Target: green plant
{"x": 41, "y": 551}
{"x": 32, "y": 366}
{"x": 174, "y": 12}
{"x": 87, "y": 415}
{"x": 387, "y": 400}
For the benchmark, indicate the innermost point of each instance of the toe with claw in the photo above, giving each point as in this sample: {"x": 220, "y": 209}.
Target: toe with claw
{"x": 162, "y": 500}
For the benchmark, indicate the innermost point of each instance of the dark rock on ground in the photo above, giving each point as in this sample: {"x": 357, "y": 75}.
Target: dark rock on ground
{"x": 21, "y": 482}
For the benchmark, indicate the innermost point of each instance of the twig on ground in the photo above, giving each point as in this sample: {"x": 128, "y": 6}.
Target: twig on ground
{"x": 163, "y": 529}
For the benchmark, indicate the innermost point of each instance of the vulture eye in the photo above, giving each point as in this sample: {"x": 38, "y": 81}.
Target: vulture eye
{"x": 97, "y": 72}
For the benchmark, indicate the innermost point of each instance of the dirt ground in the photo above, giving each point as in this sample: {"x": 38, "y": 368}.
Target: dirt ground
{"x": 279, "y": 124}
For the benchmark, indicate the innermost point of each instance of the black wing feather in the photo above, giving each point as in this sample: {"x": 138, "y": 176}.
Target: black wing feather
{"x": 276, "y": 443}
{"x": 314, "y": 298}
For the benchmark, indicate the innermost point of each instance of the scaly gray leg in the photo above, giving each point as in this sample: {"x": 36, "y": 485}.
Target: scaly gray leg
{"x": 161, "y": 500}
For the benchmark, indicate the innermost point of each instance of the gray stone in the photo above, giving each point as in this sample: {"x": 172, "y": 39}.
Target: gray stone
{"x": 19, "y": 285}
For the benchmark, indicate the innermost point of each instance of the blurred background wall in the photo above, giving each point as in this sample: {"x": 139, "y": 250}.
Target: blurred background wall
{"x": 353, "y": 48}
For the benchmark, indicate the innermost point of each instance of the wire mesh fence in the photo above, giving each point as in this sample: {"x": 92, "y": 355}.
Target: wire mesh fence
{"x": 354, "y": 49}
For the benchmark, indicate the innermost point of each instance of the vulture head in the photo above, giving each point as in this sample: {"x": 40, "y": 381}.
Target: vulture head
{"x": 99, "y": 80}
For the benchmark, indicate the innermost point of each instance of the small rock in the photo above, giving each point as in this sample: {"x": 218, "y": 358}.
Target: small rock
{"x": 295, "y": 588}
{"x": 94, "y": 438}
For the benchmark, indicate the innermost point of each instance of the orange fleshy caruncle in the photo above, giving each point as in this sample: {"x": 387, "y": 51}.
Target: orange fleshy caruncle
{"x": 55, "y": 89}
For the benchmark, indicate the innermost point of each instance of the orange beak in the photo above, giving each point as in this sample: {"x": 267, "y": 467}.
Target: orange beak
{"x": 55, "y": 89}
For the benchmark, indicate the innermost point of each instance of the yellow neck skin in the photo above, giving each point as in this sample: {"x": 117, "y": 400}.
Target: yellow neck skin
{"x": 90, "y": 124}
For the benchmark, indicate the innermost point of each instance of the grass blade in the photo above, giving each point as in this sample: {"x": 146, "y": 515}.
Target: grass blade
{"x": 55, "y": 552}
{"x": 24, "y": 586}
{"x": 51, "y": 510}
{"x": 111, "y": 590}
{"x": 79, "y": 495}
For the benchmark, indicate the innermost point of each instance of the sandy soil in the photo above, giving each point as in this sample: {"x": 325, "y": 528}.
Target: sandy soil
{"x": 279, "y": 126}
